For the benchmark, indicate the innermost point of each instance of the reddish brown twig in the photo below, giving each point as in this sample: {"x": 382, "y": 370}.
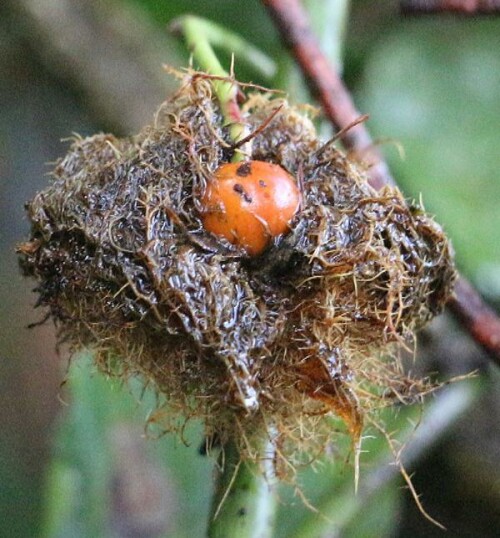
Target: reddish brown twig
{"x": 461, "y": 7}
{"x": 337, "y": 103}
{"x": 477, "y": 318}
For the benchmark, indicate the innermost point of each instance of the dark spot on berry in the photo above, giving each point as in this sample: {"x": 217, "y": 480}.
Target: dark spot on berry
{"x": 240, "y": 190}
{"x": 262, "y": 183}
{"x": 242, "y": 512}
{"x": 244, "y": 170}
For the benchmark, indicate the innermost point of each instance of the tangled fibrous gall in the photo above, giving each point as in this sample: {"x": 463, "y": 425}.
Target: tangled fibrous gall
{"x": 306, "y": 328}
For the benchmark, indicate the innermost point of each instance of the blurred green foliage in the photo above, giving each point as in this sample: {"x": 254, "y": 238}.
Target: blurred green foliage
{"x": 433, "y": 86}
{"x": 79, "y": 496}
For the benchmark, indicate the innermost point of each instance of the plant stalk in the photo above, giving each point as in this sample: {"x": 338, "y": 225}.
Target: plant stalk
{"x": 244, "y": 504}
{"x": 199, "y": 35}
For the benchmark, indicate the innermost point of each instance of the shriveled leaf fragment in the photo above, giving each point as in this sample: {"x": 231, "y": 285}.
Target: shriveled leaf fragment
{"x": 309, "y": 326}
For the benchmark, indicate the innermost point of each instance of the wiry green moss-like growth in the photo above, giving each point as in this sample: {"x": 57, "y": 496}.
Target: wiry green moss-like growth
{"x": 126, "y": 267}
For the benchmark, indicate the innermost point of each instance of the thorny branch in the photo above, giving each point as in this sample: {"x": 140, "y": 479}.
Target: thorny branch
{"x": 462, "y": 7}
{"x": 477, "y": 318}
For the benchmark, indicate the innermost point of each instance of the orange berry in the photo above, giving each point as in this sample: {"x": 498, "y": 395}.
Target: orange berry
{"x": 249, "y": 203}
